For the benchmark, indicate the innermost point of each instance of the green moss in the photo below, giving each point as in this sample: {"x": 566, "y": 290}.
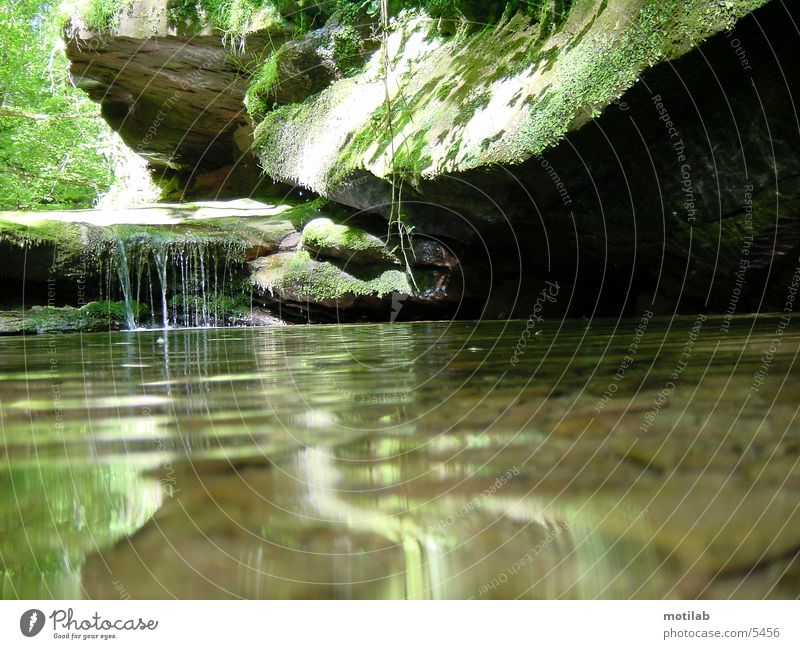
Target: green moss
{"x": 38, "y": 231}
{"x": 94, "y": 316}
{"x": 323, "y": 281}
{"x": 322, "y": 234}
{"x": 73, "y": 245}
{"x": 568, "y": 59}
{"x": 110, "y": 311}
{"x": 602, "y": 68}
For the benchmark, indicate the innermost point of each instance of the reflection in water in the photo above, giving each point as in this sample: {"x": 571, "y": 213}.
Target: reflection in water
{"x": 402, "y": 461}
{"x": 53, "y": 517}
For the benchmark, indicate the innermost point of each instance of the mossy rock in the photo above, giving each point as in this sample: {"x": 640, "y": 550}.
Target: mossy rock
{"x": 328, "y": 239}
{"x": 297, "y": 277}
{"x": 94, "y": 316}
{"x": 352, "y": 291}
{"x": 498, "y": 95}
{"x": 306, "y": 66}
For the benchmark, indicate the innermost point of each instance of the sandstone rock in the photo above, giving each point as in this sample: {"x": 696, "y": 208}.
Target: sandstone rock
{"x": 349, "y": 244}
{"x": 173, "y": 92}
{"x": 346, "y": 291}
{"x": 606, "y": 146}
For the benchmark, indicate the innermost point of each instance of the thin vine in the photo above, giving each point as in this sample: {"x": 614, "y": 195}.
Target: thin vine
{"x": 404, "y": 232}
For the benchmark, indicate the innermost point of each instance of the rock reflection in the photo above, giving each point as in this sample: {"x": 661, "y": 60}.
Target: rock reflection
{"x": 51, "y": 518}
{"x": 322, "y": 527}
{"x": 402, "y": 461}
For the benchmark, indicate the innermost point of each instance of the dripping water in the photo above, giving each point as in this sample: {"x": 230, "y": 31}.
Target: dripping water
{"x": 161, "y": 257}
{"x": 123, "y": 273}
{"x": 186, "y": 297}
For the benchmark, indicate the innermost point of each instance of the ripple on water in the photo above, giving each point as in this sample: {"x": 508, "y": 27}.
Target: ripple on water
{"x": 404, "y": 460}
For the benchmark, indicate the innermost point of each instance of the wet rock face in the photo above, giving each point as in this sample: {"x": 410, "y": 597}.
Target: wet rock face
{"x": 661, "y": 200}
{"x": 502, "y": 150}
{"x": 223, "y": 262}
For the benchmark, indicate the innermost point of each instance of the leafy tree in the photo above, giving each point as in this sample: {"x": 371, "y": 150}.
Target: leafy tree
{"x": 54, "y": 148}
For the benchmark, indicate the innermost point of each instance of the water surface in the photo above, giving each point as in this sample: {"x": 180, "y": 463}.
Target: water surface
{"x": 449, "y": 460}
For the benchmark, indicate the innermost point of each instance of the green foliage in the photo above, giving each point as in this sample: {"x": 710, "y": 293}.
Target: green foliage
{"x": 234, "y": 16}
{"x": 53, "y": 145}
{"x": 257, "y": 101}
{"x": 476, "y": 12}
{"x": 231, "y": 17}
{"x": 347, "y": 49}
{"x": 103, "y": 15}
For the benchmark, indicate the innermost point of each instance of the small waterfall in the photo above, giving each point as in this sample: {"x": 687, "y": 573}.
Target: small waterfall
{"x": 124, "y": 275}
{"x": 178, "y": 279}
{"x": 160, "y": 256}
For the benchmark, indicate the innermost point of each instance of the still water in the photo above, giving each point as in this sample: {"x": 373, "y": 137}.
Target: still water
{"x": 643, "y": 458}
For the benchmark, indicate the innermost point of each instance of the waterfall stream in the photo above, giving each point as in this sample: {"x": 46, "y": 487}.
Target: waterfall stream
{"x": 186, "y": 289}
{"x": 160, "y": 257}
{"x": 124, "y": 275}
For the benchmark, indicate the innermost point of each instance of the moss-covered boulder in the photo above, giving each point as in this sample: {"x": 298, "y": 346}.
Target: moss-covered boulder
{"x": 434, "y": 104}
{"x": 618, "y": 147}
{"x": 347, "y": 243}
{"x": 298, "y": 277}
{"x": 94, "y": 316}
{"x": 326, "y": 290}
